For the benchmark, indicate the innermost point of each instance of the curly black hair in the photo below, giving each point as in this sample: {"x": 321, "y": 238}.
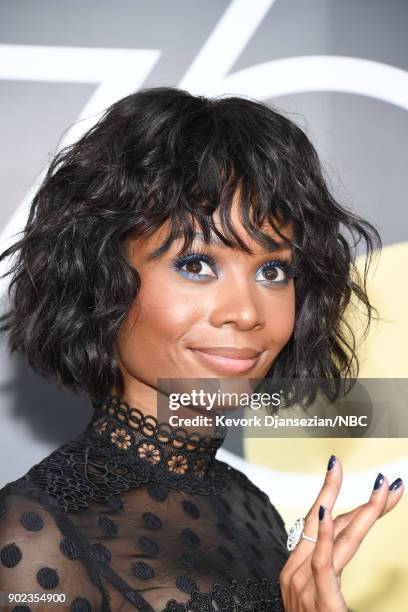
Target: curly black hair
{"x": 164, "y": 154}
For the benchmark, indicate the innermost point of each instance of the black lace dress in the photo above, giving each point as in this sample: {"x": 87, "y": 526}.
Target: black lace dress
{"x": 132, "y": 515}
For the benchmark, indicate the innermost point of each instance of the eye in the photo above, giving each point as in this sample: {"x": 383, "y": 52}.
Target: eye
{"x": 274, "y": 272}
{"x": 200, "y": 266}
{"x": 196, "y": 266}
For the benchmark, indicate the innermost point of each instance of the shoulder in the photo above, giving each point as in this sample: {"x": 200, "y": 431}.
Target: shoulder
{"x": 74, "y": 475}
{"x": 269, "y": 511}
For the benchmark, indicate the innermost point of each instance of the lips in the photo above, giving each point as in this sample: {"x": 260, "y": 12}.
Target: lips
{"x": 230, "y": 351}
{"x": 228, "y": 359}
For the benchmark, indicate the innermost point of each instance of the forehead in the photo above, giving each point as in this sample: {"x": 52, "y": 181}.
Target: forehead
{"x": 279, "y": 231}
{"x": 146, "y": 247}
{"x": 167, "y": 237}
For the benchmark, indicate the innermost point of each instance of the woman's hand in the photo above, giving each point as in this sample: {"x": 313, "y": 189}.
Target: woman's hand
{"x": 311, "y": 578}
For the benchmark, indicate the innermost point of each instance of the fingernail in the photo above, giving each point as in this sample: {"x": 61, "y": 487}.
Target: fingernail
{"x": 331, "y": 463}
{"x": 321, "y": 513}
{"x": 395, "y": 485}
{"x": 378, "y": 481}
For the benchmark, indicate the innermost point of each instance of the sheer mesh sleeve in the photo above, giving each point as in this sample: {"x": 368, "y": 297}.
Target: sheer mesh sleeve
{"x": 37, "y": 558}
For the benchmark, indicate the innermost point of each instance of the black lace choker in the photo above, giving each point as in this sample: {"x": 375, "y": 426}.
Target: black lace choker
{"x": 121, "y": 449}
{"x": 142, "y": 441}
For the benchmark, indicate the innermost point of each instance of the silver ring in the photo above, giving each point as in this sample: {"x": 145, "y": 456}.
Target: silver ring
{"x": 310, "y": 538}
{"x": 296, "y": 533}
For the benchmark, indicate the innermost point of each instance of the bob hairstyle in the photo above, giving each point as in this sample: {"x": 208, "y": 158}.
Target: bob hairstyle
{"x": 164, "y": 154}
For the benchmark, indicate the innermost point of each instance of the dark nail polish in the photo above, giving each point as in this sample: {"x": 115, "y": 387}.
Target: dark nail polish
{"x": 378, "y": 481}
{"x": 321, "y": 513}
{"x": 395, "y": 485}
{"x": 331, "y": 463}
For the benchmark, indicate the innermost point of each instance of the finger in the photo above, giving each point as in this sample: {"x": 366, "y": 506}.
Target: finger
{"x": 328, "y": 594}
{"x": 350, "y": 538}
{"x": 302, "y": 591}
{"x": 396, "y": 489}
{"x": 326, "y": 497}
{"x": 329, "y": 491}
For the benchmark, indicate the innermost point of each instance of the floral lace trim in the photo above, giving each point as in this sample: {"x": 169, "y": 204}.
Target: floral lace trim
{"x": 81, "y": 471}
{"x": 251, "y": 596}
{"x": 115, "y": 407}
{"x": 109, "y": 458}
{"x": 142, "y": 441}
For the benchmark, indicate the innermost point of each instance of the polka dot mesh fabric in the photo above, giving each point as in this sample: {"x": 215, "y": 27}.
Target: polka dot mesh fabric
{"x": 129, "y": 516}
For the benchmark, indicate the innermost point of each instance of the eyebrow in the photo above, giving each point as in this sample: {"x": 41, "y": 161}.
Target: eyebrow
{"x": 216, "y": 241}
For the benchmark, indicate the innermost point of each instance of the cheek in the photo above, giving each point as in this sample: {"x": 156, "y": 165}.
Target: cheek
{"x": 280, "y": 318}
{"x": 160, "y": 314}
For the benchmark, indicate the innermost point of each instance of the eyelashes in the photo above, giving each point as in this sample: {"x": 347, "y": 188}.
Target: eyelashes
{"x": 194, "y": 258}
{"x": 278, "y": 270}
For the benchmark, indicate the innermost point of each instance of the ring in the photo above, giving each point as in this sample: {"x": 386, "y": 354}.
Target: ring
{"x": 296, "y": 533}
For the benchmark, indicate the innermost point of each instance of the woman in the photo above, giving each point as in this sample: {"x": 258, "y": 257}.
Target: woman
{"x": 181, "y": 237}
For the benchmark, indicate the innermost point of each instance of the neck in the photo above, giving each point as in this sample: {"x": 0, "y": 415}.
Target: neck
{"x": 137, "y": 393}
{"x": 154, "y": 402}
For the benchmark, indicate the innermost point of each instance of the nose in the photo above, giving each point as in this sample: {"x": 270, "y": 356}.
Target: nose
{"x": 236, "y": 305}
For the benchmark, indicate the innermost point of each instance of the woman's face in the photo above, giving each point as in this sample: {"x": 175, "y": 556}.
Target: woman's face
{"x": 193, "y": 315}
